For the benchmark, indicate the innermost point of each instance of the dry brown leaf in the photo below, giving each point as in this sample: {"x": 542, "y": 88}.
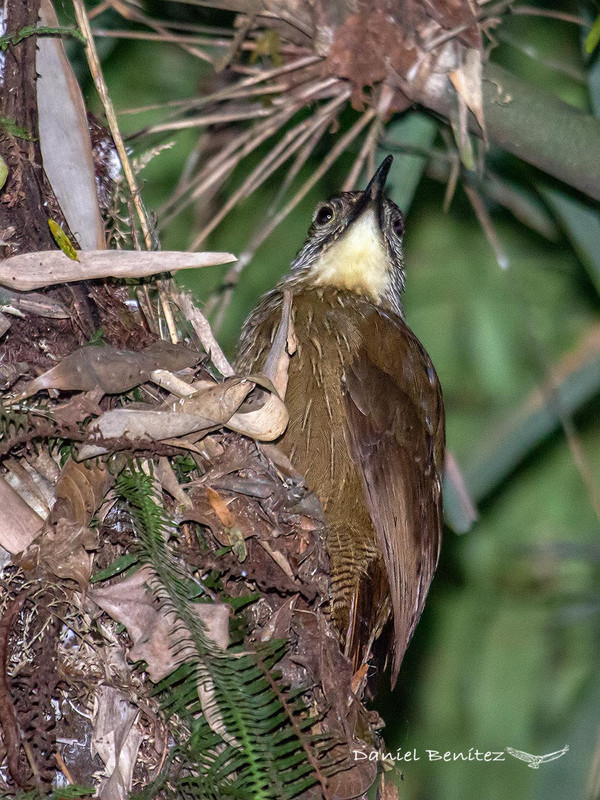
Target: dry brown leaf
{"x": 219, "y": 506}
{"x": 65, "y": 137}
{"x": 211, "y": 408}
{"x": 28, "y": 271}
{"x": 33, "y": 488}
{"x": 263, "y": 415}
{"x": 78, "y": 408}
{"x": 155, "y": 630}
{"x": 19, "y": 524}
{"x": 467, "y": 82}
{"x": 80, "y": 491}
{"x": 4, "y": 324}
{"x": 168, "y": 480}
{"x": 234, "y": 537}
{"x": 211, "y": 710}
{"x": 32, "y": 303}
{"x": 113, "y": 371}
{"x": 284, "y": 345}
{"x": 358, "y": 777}
{"x": 63, "y": 549}
{"x": 220, "y": 401}
{"x": 132, "y": 426}
{"x": 116, "y": 740}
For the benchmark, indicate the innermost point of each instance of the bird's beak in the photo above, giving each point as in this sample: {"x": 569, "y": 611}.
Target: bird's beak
{"x": 372, "y": 197}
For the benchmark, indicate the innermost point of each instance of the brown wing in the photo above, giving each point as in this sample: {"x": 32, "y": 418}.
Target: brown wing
{"x": 396, "y": 425}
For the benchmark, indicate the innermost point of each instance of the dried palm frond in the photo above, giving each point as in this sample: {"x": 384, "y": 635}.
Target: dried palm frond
{"x": 287, "y": 72}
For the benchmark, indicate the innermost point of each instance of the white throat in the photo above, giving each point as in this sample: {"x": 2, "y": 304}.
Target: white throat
{"x": 358, "y": 261}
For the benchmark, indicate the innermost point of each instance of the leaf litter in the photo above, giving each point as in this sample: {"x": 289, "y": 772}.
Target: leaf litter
{"x": 241, "y": 527}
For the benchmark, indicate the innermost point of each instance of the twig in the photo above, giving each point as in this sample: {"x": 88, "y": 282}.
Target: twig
{"x": 8, "y": 715}
{"x": 451, "y": 34}
{"x": 203, "y": 331}
{"x": 370, "y": 139}
{"x": 260, "y": 174}
{"x": 96, "y": 70}
{"x": 63, "y": 767}
{"x": 546, "y": 12}
{"x": 131, "y": 13}
{"x": 216, "y": 118}
{"x": 486, "y": 223}
{"x": 221, "y": 166}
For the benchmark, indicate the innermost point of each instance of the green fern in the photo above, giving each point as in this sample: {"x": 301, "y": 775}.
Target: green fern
{"x": 268, "y": 755}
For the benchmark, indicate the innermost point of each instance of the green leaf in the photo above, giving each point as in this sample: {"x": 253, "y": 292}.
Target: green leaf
{"x": 593, "y": 36}
{"x": 117, "y": 566}
{"x": 581, "y": 223}
{"x": 538, "y": 417}
{"x": 413, "y": 130}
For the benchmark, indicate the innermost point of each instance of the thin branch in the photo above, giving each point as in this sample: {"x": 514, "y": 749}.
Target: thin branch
{"x": 370, "y": 142}
{"x": 222, "y": 165}
{"x": 131, "y": 13}
{"x": 258, "y": 176}
{"x": 546, "y": 12}
{"x": 451, "y": 34}
{"x": 486, "y": 223}
{"x": 210, "y": 119}
{"x": 203, "y": 331}
{"x": 111, "y": 117}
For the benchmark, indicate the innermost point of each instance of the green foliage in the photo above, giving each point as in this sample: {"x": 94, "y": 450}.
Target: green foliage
{"x": 262, "y": 749}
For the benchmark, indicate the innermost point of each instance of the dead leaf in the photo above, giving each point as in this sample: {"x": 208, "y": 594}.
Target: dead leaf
{"x": 78, "y": 408}
{"x": 210, "y": 409}
{"x": 113, "y": 371}
{"x": 80, "y": 491}
{"x": 116, "y": 740}
{"x": 65, "y": 137}
{"x": 467, "y": 82}
{"x": 131, "y": 427}
{"x": 219, "y": 506}
{"x": 154, "y": 630}
{"x": 168, "y": 480}
{"x": 19, "y": 524}
{"x": 358, "y": 777}
{"x": 63, "y": 549}
{"x": 219, "y": 401}
{"x": 32, "y": 303}
{"x": 28, "y": 271}
{"x": 234, "y": 537}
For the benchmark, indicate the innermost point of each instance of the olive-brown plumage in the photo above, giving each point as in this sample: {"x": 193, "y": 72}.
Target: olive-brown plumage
{"x": 366, "y": 415}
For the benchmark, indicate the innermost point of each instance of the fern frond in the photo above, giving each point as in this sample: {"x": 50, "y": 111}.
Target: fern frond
{"x": 265, "y": 752}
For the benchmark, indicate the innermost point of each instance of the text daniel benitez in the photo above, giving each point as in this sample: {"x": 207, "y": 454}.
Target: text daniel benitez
{"x": 472, "y": 754}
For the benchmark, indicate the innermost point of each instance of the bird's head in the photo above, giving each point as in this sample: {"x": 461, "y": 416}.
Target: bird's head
{"x": 355, "y": 244}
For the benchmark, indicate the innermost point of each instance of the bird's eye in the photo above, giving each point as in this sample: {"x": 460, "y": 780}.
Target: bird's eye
{"x": 398, "y": 225}
{"x": 324, "y": 215}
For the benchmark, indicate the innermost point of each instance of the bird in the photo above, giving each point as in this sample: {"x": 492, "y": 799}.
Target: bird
{"x": 366, "y": 418}
{"x": 535, "y": 761}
